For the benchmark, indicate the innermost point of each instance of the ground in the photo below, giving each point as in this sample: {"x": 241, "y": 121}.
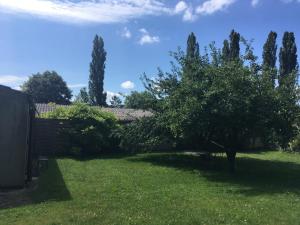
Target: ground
{"x": 161, "y": 189}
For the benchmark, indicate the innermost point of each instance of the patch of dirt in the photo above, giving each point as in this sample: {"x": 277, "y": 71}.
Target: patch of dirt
{"x": 17, "y": 197}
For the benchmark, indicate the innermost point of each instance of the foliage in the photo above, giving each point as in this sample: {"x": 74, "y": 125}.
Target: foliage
{"x": 141, "y": 100}
{"x": 83, "y": 96}
{"x": 269, "y": 57}
{"x": 234, "y": 46}
{"x": 116, "y": 102}
{"x": 90, "y": 130}
{"x": 217, "y": 106}
{"x": 146, "y": 134}
{"x": 47, "y": 87}
{"x": 225, "y": 51}
{"x": 97, "y": 69}
{"x": 192, "y": 50}
{"x": 288, "y": 55}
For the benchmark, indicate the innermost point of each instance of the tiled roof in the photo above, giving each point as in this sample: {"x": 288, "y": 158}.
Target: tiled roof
{"x": 122, "y": 114}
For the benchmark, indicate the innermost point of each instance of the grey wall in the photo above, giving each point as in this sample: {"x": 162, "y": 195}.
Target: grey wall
{"x": 14, "y": 134}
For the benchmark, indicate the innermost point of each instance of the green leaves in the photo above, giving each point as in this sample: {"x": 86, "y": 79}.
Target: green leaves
{"x": 47, "y": 87}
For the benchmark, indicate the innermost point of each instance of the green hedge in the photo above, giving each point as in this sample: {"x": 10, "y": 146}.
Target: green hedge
{"x": 91, "y": 130}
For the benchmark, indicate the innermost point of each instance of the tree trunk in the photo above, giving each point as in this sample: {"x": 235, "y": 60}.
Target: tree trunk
{"x": 231, "y": 160}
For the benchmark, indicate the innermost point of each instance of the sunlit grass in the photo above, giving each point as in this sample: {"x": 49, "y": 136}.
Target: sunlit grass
{"x": 164, "y": 189}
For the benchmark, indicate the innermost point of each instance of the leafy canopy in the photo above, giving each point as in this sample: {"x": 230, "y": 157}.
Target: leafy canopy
{"x": 47, "y": 87}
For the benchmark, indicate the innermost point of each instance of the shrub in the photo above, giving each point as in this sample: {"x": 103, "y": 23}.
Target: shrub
{"x": 90, "y": 130}
{"x": 146, "y": 134}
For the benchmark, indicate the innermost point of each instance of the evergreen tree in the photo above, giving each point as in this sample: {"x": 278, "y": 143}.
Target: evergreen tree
{"x": 97, "y": 69}
{"x": 269, "y": 57}
{"x": 287, "y": 56}
{"x": 225, "y": 51}
{"x": 234, "y": 45}
{"x": 192, "y": 50}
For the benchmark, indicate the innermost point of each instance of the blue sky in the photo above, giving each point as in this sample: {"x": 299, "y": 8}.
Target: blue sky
{"x": 39, "y": 35}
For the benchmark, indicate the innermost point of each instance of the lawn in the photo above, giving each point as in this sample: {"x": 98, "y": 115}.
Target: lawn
{"x": 165, "y": 188}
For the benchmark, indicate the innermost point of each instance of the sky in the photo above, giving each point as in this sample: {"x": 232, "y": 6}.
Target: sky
{"x": 40, "y": 35}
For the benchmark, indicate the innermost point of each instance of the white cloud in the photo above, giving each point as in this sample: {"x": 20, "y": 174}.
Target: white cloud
{"x": 127, "y": 85}
{"x": 146, "y": 38}
{"x": 126, "y": 33}
{"x": 98, "y": 11}
{"x": 180, "y": 7}
{"x": 12, "y": 79}
{"x": 189, "y": 15}
{"x": 77, "y": 85}
{"x": 212, "y": 6}
{"x": 254, "y": 2}
{"x": 187, "y": 11}
{"x": 289, "y": 1}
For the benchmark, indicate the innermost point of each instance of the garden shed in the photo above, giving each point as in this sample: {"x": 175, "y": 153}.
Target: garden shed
{"x": 16, "y": 116}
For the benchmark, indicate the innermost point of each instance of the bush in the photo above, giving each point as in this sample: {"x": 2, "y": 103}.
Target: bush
{"x": 90, "y": 131}
{"x": 146, "y": 134}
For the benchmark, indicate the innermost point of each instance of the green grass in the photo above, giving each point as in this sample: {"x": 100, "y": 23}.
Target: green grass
{"x": 163, "y": 189}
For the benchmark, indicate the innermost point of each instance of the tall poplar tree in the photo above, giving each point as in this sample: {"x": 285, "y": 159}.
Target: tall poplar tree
{"x": 192, "y": 50}
{"x": 234, "y": 45}
{"x": 225, "y": 51}
{"x": 288, "y": 89}
{"x": 192, "y": 58}
{"x": 287, "y": 56}
{"x": 269, "y": 57}
{"x": 97, "y": 69}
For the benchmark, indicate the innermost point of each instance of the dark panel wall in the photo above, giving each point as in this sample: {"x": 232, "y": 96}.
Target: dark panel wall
{"x": 14, "y": 137}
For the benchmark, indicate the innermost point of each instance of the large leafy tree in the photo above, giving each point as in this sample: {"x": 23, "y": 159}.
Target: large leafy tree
{"x": 269, "y": 57}
{"x": 224, "y": 108}
{"x": 141, "y": 100}
{"x": 47, "y": 87}
{"x": 97, "y": 69}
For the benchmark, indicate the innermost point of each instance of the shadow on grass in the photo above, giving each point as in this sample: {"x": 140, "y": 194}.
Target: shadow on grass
{"x": 113, "y": 155}
{"x": 50, "y": 186}
{"x": 253, "y": 176}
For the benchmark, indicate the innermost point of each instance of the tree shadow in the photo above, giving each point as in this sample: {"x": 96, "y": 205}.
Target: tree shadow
{"x": 253, "y": 176}
{"x": 112, "y": 155}
{"x": 50, "y": 186}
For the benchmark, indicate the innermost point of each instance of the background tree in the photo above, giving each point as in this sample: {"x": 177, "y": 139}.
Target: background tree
{"x": 269, "y": 57}
{"x": 234, "y": 45}
{"x": 97, "y": 69}
{"x": 140, "y": 100}
{"x": 192, "y": 50}
{"x": 47, "y": 87}
{"x": 192, "y": 56}
{"x": 287, "y": 56}
{"x": 225, "y": 51}
{"x": 288, "y": 90}
{"x": 83, "y": 96}
{"x": 116, "y": 102}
